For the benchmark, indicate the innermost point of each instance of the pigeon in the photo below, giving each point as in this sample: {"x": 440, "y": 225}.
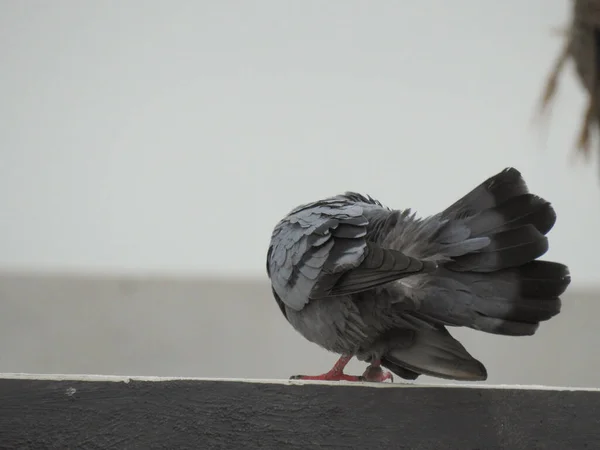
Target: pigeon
{"x": 383, "y": 285}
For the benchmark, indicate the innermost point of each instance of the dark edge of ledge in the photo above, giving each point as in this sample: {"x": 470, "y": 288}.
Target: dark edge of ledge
{"x": 84, "y": 414}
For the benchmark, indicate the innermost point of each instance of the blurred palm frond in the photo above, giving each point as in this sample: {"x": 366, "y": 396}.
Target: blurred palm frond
{"x": 581, "y": 46}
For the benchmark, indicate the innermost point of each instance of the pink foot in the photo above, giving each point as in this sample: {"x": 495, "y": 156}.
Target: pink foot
{"x": 335, "y": 374}
{"x": 329, "y": 376}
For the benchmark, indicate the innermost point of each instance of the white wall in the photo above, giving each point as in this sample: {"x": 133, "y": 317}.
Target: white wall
{"x": 171, "y": 136}
{"x": 233, "y": 328}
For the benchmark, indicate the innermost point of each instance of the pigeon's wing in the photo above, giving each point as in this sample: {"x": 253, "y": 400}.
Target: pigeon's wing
{"x": 322, "y": 250}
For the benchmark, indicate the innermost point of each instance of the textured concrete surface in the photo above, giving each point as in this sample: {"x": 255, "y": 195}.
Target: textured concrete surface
{"x": 191, "y": 414}
{"x": 233, "y": 329}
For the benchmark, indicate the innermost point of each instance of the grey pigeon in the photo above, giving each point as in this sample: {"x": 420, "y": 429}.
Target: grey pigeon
{"x": 363, "y": 280}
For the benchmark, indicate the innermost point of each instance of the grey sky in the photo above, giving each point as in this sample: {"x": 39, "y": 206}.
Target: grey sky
{"x": 171, "y": 136}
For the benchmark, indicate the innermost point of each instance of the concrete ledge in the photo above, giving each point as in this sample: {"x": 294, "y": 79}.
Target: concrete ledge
{"x": 97, "y": 412}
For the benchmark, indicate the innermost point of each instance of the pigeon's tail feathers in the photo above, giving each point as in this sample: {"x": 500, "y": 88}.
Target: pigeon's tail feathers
{"x": 509, "y": 302}
{"x": 492, "y": 192}
{"x": 497, "y": 225}
{"x": 505, "y": 249}
{"x": 500, "y": 287}
{"x": 433, "y": 352}
{"x": 524, "y": 209}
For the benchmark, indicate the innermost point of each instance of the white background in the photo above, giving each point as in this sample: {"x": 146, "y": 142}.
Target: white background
{"x": 171, "y": 136}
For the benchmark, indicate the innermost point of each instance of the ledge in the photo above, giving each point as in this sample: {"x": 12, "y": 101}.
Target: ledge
{"x": 109, "y": 412}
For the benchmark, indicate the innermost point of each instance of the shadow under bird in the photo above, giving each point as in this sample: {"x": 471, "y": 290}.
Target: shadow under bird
{"x": 363, "y": 280}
